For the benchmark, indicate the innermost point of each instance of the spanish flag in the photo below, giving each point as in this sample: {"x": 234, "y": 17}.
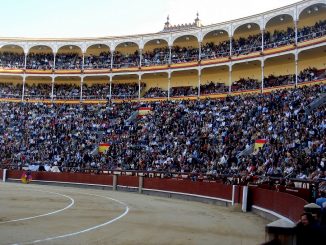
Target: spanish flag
{"x": 142, "y": 111}
{"x": 103, "y": 147}
{"x": 259, "y": 143}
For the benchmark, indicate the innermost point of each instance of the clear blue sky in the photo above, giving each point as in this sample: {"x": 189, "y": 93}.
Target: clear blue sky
{"x": 98, "y": 18}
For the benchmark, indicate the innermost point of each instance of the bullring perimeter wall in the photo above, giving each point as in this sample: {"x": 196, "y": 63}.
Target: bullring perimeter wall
{"x": 274, "y": 204}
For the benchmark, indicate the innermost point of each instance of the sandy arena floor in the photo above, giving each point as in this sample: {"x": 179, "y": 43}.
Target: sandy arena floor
{"x": 38, "y": 214}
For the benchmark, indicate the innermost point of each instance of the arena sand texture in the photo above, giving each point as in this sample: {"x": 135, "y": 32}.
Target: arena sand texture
{"x": 47, "y": 214}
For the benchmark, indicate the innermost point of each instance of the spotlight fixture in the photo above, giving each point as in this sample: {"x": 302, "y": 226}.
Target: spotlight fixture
{"x": 158, "y": 42}
{"x": 281, "y": 18}
{"x": 316, "y": 8}
{"x": 309, "y": 11}
{"x": 70, "y": 47}
{"x": 187, "y": 38}
{"x": 249, "y": 26}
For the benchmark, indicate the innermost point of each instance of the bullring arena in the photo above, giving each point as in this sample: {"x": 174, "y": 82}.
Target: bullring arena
{"x": 192, "y": 135}
{"x": 87, "y": 216}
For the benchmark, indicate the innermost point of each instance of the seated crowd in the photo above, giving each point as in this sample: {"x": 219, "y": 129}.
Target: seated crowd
{"x": 199, "y": 136}
{"x": 39, "y": 61}
{"x": 10, "y": 90}
{"x": 156, "y": 93}
{"x": 101, "y": 61}
{"x": 66, "y": 91}
{"x": 125, "y": 60}
{"x": 130, "y": 90}
{"x": 96, "y": 91}
{"x": 159, "y": 56}
{"x": 126, "y": 90}
{"x": 38, "y": 91}
{"x": 68, "y": 61}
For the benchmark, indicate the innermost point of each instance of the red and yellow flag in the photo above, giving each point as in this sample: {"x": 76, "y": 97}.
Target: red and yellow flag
{"x": 142, "y": 111}
{"x": 259, "y": 143}
{"x": 103, "y": 147}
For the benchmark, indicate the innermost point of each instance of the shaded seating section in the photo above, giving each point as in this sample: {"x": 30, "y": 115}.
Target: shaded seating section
{"x": 193, "y": 136}
{"x": 243, "y": 46}
{"x": 213, "y": 88}
{"x": 279, "y": 38}
{"x": 39, "y": 61}
{"x": 96, "y": 91}
{"x": 69, "y": 61}
{"x": 38, "y": 91}
{"x": 11, "y": 60}
{"x": 273, "y": 81}
{"x": 101, "y": 61}
{"x": 311, "y": 32}
{"x": 158, "y": 56}
{"x": 183, "y": 91}
{"x": 66, "y": 91}
{"x": 126, "y": 90}
{"x": 183, "y": 54}
{"x": 125, "y": 60}
{"x": 10, "y": 90}
{"x": 156, "y": 93}
{"x": 245, "y": 84}
{"x": 213, "y": 51}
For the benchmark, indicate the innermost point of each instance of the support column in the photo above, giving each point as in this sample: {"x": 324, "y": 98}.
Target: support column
{"x": 170, "y": 55}
{"x": 112, "y": 59}
{"x": 139, "y": 81}
{"x": 199, "y": 51}
{"x": 81, "y": 88}
{"x": 262, "y": 40}
{"x": 82, "y": 67}
{"x": 169, "y": 84}
{"x": 23, "y": 92}
{"x": 110, "y": 89}
{"x": 25, "y": 61}
{"x": 296, "y": 60}
{"x": 140, "y": 57}
{"x": 199, "y": 80}
{"x": 262, "y": 76}
{"x": 54, "y": 56}
{"x": 230, "y": 47}
{"x": 230, "y": 78}
{"x": 52, "y": 89}
{"x": 296, "y": 32}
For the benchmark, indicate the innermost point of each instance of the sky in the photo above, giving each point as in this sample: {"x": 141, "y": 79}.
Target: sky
{"x": 102, "y": 18}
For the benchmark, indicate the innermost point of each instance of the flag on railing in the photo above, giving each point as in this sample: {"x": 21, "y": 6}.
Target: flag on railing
{"x": 142, "y": 111}
{"x": 103, "y": 147}
{"x": 259, "y": 143}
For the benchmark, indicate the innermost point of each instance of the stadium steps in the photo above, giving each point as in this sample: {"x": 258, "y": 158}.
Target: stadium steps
{"x": 132, "y": 118}
{"x": 246, "y": 152}
{"x": 100, "y": 136}
{"x": 316, "y": 103}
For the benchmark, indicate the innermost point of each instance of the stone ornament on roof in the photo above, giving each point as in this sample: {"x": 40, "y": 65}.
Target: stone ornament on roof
{"x": 168, "y": 27}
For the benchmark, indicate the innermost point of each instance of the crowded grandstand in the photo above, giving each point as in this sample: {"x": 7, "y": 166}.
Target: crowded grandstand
{"x": 241, "y": 102}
